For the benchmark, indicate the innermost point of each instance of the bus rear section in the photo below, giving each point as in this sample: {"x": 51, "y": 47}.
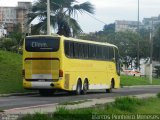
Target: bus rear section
{"x": 41, "y": 64}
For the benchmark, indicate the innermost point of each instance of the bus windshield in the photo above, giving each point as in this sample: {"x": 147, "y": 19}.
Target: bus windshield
{"x": 42, "y": 44}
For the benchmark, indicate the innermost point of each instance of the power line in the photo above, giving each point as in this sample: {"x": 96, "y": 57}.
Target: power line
{"x": 87, "y": 14}
{"x": 95, "y": 18}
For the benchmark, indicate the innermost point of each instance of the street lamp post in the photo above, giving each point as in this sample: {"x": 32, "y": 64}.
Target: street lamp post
{"x": 138, "y": 61}
{"x": 48, "y": 18}
{"x": 151, "y": 51}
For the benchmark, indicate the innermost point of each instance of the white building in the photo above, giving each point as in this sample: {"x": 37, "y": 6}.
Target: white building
{"x": 148, "y": 22}
{"x": 123, "y": 25}
{"x": 3, "y": 31}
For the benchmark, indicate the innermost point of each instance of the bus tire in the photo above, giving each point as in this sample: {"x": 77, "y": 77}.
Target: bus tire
{"x": 46, "y": 92}
{"x": 85, "y": 87}
{"x": 110, "y": 90}
{"x": 78, "y": 88}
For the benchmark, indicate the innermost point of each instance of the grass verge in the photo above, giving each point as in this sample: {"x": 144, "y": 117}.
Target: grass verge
{"x": 121, "y": 106}
{"x": 10, "y": 72}
{"x": 133, "y": 81}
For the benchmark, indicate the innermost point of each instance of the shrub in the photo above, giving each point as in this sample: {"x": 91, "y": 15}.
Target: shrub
{"x": 158, "y": 95}
{"x": 127, "y": 103}
{"x": 8, "y": 44}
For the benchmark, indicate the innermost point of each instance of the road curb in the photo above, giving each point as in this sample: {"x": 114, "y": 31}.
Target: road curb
{"x": 142, "y": 86}
{"x": 18, "y": 94}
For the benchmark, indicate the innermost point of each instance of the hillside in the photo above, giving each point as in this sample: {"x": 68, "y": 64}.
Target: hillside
{"x": 10, "y": 72}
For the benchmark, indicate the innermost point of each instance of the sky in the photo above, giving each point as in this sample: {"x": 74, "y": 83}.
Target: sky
{"x": 108, "y": 11}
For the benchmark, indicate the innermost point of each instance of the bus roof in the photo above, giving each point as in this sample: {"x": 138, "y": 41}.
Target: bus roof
{"x": 73, "y": 39}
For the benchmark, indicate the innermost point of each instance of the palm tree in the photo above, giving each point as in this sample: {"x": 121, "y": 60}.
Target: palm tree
{"x": 63, "y": 13}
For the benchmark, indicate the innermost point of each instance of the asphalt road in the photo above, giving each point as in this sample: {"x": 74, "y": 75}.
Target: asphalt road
{"x": 32, "y": 100}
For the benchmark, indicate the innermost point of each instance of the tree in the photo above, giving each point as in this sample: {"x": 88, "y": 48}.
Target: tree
{"x": 126, "y": 42}
{"x": 8, "y": 44}
{"x": 156, "y": 44}
{"x": 13, "y": 41}
{"x": 109, "y": 28}
{"x": 63, "y": 13}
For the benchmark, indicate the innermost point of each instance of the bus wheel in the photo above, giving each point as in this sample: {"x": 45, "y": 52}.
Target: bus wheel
{"x": 79, "y": 88}
{"x": 46, "y": 92}
{"x": 85, "y": 87}
{"x": 111, "y": 87}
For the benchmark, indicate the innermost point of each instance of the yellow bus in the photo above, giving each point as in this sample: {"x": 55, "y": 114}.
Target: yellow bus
{"x": 52, "y": 63}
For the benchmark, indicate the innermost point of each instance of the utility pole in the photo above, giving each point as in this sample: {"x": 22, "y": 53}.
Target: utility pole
{"x": 48, "y": 18}
{"x": 151, "y": 52}
{"x": 138, "y": 60}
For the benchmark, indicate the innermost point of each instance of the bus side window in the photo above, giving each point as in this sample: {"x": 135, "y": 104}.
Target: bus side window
{"x": 105, "y": 52}
{"x": 116, "y": 54}
{"x": 66, "y": 48}
{"x": 71, "y": 49}
{"x": 98, "y": 52}
{"x": 81, "y": 51}
{"x": 90, "y": 52}
{"x": 76, "y": 50}
{"x": 85, "y": 50}
{"x": 111, "y": 53}
{"x": 117, "y": 61}
{"x": 94, "y": 51}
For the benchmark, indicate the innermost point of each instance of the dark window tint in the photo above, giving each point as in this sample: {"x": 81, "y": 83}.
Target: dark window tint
{"x": 105, "y": 52}
{"x": 88, "y": 51}
{"x": 117, "y": 61}
{"x": 76, "y": 50}
{"x": 111, "y": 53}
{"x": 99, "y": 52}
{"x": 66, "y": 48}
{"x": 116, "y": 54}
{"x": 42, "y": 44}
{"x": 69, "y": 48}
{"x": 92, "y": 51}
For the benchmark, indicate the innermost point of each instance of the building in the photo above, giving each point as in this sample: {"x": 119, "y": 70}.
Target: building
{"x": 148, "y": 22}
{"x": 12, "y": 16}
{"x": 123, "y": 25}
{"x": 3, "y": 31}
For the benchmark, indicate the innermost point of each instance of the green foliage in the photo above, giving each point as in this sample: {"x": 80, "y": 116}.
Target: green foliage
{"x": 37, "y": 116}
{"x": 65, "y": 11}
{"x": 133, "y": 81}
{"x": 127, "y": 103}
{"x": 107, "y": 29}
{"x": 10, "y": 72}
{"x": 8, "y": 44}
{"x": 126, "y": 42}
{"x": 158, "y": 95}
{"x": 157, "y": 71}
{"x": 156, "y": 44}
{"x": 14, "y": 40}
{"x": 133, "y": 106}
